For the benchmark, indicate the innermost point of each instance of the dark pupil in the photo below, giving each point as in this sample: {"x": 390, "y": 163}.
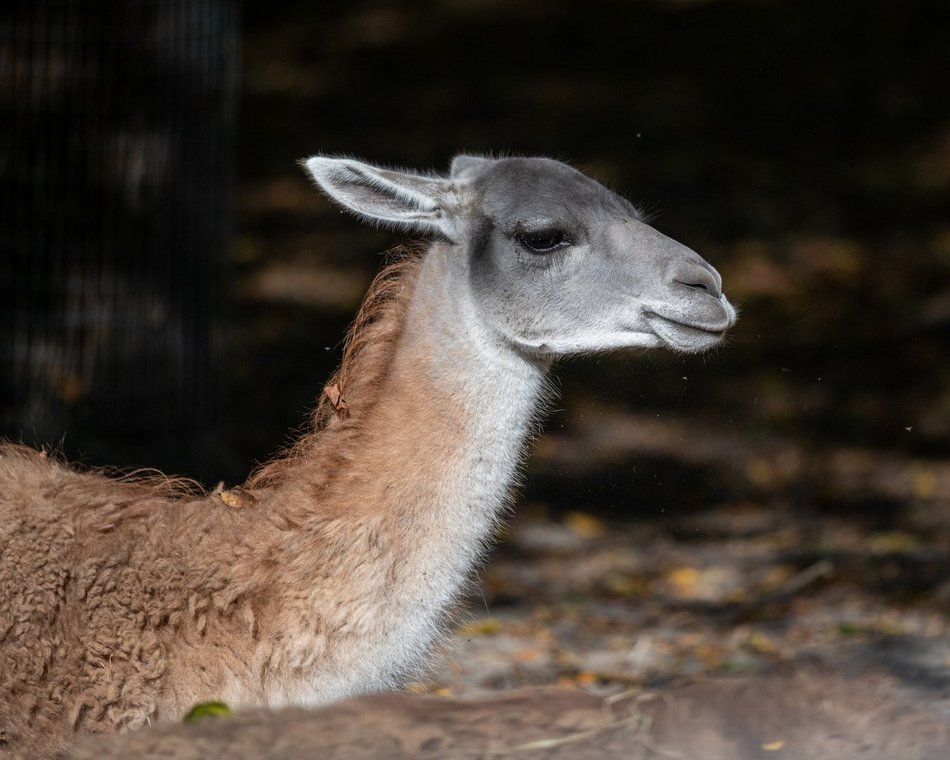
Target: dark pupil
{"x": 544, "y": 240}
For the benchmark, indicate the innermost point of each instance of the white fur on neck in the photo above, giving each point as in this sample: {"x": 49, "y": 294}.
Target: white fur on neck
{"x": 457, "y": 497}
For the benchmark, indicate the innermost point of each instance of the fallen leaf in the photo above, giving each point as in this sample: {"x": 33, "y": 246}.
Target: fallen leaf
{"x": 683, "y": 579}
{"x": 584, "y": 525}
{"x": 230, "y": 499}
{"x": 527, "y": 655}
{"x": 205, "y": 710}
{"x": 586, "y": 678}
{"x": 335, "y": 396}
{"x": 483, "y": 627}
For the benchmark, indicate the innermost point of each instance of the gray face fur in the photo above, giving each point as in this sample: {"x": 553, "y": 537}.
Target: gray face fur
{"x": 556, "y": 263}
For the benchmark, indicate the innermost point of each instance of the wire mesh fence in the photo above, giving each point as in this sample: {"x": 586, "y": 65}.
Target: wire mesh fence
{"x": 116, "y": 159}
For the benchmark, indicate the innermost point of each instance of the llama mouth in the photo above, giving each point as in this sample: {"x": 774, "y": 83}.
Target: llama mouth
{"x": 684, "y": 336}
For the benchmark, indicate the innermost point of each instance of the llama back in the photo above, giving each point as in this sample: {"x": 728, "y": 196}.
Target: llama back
{"x": 92, "y": 595}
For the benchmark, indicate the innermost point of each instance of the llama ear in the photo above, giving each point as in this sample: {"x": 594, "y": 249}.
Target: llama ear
{"x": 399, "y": 199}
{"x": 462, "y": 163}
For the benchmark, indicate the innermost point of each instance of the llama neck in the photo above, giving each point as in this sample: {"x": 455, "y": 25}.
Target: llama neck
{"x": 463, "y": 405}
{"x": 437, "y": 410}
{"x": 445, "y": 428}
{"x": 399, "y": 497}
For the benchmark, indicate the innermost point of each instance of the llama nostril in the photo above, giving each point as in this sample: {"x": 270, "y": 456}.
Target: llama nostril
{"x": 700, "y": 278}
{"x": 696, "y": 285}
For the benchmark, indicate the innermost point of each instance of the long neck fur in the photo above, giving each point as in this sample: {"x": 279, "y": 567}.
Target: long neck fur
{"x": 389, "y": 501}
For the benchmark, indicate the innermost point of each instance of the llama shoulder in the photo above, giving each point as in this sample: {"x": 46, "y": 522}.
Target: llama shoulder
{"x": 108, "y": 548}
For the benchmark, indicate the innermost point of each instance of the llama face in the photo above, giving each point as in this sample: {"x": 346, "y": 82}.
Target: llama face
{"x": 565, "y": 266}
{"x": 554, "y": 263}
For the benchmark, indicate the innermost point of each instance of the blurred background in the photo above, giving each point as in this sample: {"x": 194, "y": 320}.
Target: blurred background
{"x": 174, "y": 292}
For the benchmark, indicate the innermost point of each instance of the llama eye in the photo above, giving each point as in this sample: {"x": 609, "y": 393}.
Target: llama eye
{"x": 543, "y": 241}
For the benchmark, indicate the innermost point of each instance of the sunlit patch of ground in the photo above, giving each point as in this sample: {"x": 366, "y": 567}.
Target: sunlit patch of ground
{"x": 737, "y": 589}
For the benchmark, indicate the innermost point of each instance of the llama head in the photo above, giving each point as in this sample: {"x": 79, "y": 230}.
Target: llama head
{"x": 555, "y": 263}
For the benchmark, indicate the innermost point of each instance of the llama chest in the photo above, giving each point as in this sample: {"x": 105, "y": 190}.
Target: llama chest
{"x": 364, "y": 644}
{"x": 375, "y": 608}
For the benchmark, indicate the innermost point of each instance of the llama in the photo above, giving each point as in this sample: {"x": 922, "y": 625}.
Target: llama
{"x": 330, "y": 572}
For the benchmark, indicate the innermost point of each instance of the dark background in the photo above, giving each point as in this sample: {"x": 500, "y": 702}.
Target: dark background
{"x": 802, "y": 147}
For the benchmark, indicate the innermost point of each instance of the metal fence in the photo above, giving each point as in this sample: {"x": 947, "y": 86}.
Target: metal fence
{"x": 116, "y": 173}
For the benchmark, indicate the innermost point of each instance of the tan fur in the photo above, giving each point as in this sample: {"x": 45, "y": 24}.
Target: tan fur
{"x": 123, "y": 603}
{"x": 366, "y": 357}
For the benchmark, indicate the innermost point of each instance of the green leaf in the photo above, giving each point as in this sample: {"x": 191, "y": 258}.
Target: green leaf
{"x": 207, "y": 709}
